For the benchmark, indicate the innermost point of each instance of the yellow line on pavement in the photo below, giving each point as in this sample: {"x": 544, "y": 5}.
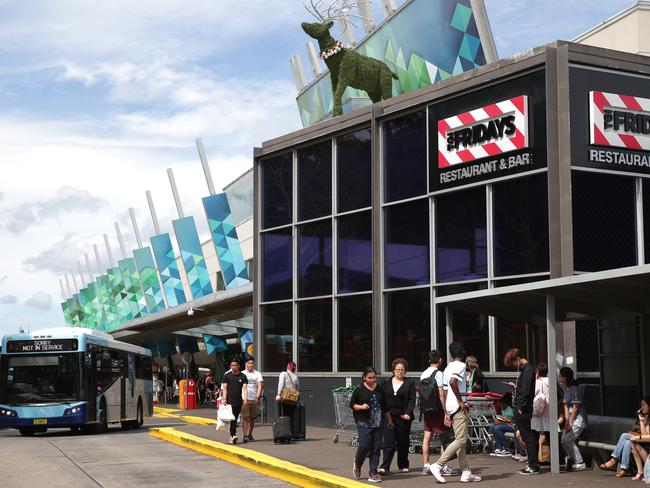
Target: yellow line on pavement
{"x": 257, "y": 461}
{"x": 197, "y": 420}
{"x": 165, "y": 410}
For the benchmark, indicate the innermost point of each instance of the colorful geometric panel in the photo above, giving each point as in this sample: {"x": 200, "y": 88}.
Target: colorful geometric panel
{"x": 168, "y": 269}
{"x": 77, "y": 314}
{"x": 65, "y": 308}
{"x": 153, "y": 294}
{"x": 122, "y": 302}
{"x": 111, "y": 311}
{"x": 133, "y": 287}
{"x": 226, "y": 242}
{"x": 427, "y": 41}
{"x": 214, "y": 344}
{"x": 192, "y": 257}
{"x": 88, "y": 318}
{"x": 98, "y": 306}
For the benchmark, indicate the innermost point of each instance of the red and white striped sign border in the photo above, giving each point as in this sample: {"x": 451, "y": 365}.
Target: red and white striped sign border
{"x": 517, "y": 106}
{"x": 598, "y": 102}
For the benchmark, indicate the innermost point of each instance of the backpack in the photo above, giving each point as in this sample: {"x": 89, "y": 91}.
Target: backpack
{"x": 429, "y": 400}
{"x": 540, "y": 402}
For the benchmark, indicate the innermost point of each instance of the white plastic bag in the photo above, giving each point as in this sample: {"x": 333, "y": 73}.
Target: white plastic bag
{"x": 221, "y": 425}
{"x": 225, "y": 413}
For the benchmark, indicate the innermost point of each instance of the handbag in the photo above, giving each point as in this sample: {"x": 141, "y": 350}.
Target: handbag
{"x": 225, "y": 413}
{"x": 540, "y": 402}
{"x": 289, "y": 395}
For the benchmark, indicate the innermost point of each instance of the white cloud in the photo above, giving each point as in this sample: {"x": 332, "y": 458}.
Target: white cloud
{"x": 3, "y": 279}
{"x": 8, "y": 299}
{"x": 66, "y": 201}
{"x": 40, "y": 301}
{"x": 60, "y": 257}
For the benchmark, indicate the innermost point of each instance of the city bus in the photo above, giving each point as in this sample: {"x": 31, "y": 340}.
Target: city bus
{"x": 73, "y": 378}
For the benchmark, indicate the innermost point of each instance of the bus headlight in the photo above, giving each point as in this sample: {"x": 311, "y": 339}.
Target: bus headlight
{"x": 72, "y": 411}
{"x": 7, "y": 413}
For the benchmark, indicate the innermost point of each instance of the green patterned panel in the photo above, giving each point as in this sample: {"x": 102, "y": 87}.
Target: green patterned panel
{"x": 133, "y": 287}
{"x": 111, "y": 313}
{"x": 122, "y": 303}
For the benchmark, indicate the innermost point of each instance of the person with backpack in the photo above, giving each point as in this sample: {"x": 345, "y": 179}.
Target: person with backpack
{"x": 431, "y": 405}
{"x": 540, "y": 421}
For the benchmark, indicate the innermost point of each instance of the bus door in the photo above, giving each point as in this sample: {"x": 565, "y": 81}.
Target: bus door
{"x": 129, "y": 393}
{"x": 89, "y": 380}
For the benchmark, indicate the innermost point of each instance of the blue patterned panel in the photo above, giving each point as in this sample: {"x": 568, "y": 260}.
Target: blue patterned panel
{"x": 111, "y": 312}
{"x": 66, "y": 312}
{"x": 98, "y": 306}
{"x": 122, "y": 303}
{"x": 153, "y": 294}
{"x": 133, "y": 287}
{"x": 168, "y": 269}
{"x": 226, "y": 242}
{"x": 88, "y": 313}
{"x": 192, "y": 256}
{"x": 78, "y": 312}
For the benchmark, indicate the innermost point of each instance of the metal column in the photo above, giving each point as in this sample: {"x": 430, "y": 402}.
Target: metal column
{"x": 552, "y": 381}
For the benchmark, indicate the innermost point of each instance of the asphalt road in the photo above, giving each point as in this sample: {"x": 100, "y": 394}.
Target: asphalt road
{"x": 120, "y": 459}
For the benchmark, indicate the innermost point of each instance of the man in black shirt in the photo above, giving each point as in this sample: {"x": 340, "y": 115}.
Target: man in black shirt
{"x": 523, "y": 405}
{"x": 233, "y": 388}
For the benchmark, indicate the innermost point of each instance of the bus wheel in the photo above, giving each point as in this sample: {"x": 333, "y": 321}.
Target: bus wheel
{"x": 26, "y": 431}
{"x": 102, "y": 422}
{"x": 140, "y": 418}
{"x": 75, "y": 429}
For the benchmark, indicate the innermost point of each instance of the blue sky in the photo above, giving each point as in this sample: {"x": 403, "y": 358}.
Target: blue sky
{"x": 98, "y": 98}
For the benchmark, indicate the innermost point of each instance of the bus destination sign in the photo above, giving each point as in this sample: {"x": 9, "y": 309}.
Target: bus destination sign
{"x": 43, "y": 345}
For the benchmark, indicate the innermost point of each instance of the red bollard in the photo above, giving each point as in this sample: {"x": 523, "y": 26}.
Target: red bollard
{"x": 191, "y": 394}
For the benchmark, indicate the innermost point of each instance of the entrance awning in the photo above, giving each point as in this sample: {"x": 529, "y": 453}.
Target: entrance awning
{"x": 597, "y": 294}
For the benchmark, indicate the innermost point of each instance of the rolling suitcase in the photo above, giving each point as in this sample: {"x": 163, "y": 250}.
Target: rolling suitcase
{"x": 299, "y": 423}
{"x": 281, "y": 428}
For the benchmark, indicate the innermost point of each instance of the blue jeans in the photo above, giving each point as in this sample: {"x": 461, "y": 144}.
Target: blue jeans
{"x": 498, "y": 431}
{"x": 369, "y": 446}
{"x": 570, "y": 440}
{"x": 622, "y": 450}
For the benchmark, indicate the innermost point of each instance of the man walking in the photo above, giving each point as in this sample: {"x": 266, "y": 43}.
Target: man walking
{"x": 254, "y": 394}
{"x": 232, "y": 387}
{"x": 523, "y": 405}
{"x": 458, "y": 413}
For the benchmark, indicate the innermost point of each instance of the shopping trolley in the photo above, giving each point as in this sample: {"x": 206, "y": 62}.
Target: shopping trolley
{"x": 482, "y": 413}
{"x": 344, "y": 418}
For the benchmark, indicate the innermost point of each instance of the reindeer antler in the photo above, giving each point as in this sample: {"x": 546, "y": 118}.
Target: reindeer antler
{"x": 315, "y": 9}
{"x": 337, "y": 9}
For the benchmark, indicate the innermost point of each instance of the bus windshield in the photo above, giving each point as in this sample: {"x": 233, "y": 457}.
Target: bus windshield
{"x": 42, "y": 378}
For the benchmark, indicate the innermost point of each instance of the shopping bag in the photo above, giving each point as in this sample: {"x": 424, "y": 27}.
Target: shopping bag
{"x": 544, "y": 454}
{"x": 290, "y": 396}
{"x": 221, "y": 425}
{"x": 225, "y": 413}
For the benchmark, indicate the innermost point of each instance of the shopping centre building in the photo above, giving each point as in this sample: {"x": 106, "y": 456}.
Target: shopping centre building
{"x": 504, "y": 207}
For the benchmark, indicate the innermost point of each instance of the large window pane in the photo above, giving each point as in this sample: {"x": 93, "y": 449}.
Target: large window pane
{"x": 315, "y": 259}
{"x": 646, "y": 218}
{"x": 587, "y": 349}
{"x": 277, "y": 191}
{"x": 461, "y": 236}
{"x": 473, "y": 331}
{"x": 355, "y": 252}
{"x": 408, "y": 327}
{"x": 277, "y": 331}
{"x": 604, "y": 234}
{"x": 315, "y": 335}
{"x": 529, "y": 338}
{"x": 521, "y": 226}
{"x": 276, "y": 265}
{"x": 407, "y": 244}
{"x": 355, "y": 332}
{"x": 315, "y": 181}
{"x": 405, "y": 160}
{"x": 353, "y": 172}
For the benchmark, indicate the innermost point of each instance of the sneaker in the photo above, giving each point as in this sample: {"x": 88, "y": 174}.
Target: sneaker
{"x": 436, "y": 471}
{"x": 425, "y": 470}
{"x": 245, "y": 439}
{"x": 382, "y": 471}
{"x": 356, "y": 470}
{"x": 580, "y": 467}
{"x": 469, "y": 477}
{"x": 528, "y": 471}
{"x": 501, "y": 453}
{"x": 519, "y": 457}
{"x": 449, "y": 471}
{"x": 374, "y": 478}
{"x": 403, "y": 470}
{"x": 250, "y": 437}
{"x": 234, "y": 439}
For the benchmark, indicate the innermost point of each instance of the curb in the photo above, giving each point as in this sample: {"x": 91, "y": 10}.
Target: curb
{"x": 257, "y": 461}
{"x": 197, "y": 420}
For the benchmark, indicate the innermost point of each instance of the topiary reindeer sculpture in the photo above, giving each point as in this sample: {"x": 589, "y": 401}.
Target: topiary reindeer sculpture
{"x": 347, "y": 67}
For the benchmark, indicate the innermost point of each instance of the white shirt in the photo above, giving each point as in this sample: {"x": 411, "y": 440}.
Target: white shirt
{"x": 455, "y": 369}
{"x": 438, "y": 378}
{"x": 253, "y": 379}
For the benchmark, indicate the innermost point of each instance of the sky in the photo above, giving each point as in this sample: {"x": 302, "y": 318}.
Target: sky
{"x": 98, "y": 99}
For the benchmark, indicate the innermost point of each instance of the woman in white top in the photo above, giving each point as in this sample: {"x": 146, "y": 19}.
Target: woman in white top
{"x": 288, "y": 379}
{"x": 540, "y": 421}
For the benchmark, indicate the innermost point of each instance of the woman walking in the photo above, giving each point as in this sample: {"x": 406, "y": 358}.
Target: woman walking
{"x": 400, "y": 399}
{"x": 368, "y": 408}
{"x": 288, "y": 381}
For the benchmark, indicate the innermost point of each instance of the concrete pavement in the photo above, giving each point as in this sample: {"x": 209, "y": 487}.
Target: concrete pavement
{"x": 117, "y": 459}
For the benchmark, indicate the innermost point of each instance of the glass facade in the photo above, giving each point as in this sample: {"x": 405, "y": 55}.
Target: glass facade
{"x": 355, "y": 252}
{"x": 408, "y": 327}
{"x": 277, "y": 339}
{"x": 315, "y": 259}
{"x": 277, "y": 191}
{"x": 277, "y": 265}
{"x": 355, "y": 332}
{"x": 353, "y": 171}
{"x": 315, "y": 335}
{"x": 315, "y": 181}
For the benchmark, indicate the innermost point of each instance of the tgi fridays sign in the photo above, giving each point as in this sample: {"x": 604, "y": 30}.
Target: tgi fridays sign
{"x": 476, "y": 144}
{"x": 619, "y": 121}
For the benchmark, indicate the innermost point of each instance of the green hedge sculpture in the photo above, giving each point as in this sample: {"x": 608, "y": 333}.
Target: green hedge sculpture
{"x": 349, "y": 68}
